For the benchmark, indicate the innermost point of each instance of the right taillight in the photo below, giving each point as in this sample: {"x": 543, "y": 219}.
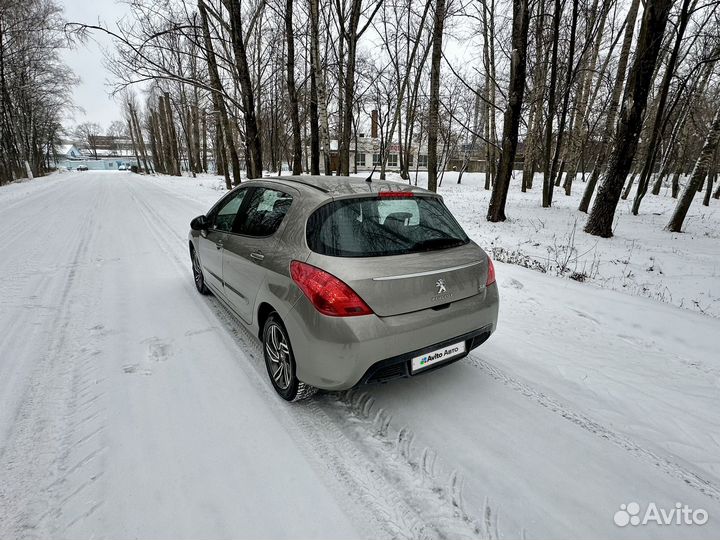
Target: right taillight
{"x": 491, "y": 273}
{"x": 328, "y": 294}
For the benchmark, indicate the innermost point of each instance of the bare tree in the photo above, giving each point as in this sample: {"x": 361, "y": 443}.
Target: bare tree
{"x": 511, "y": 123}
{"x": 631, "y": 114}
{"x": 35, "y": 86}
{"x": 434, "y": 105}
{"x": 644, "y": 180}
{"x": 610, "y": 118}
{"x": 89, "y": 133}
{"x": 700, "y": 171}
{"x": 225, "y": 147}
{"x": 252, "y": 135}
{"x": 350, "y": 35}
{"x": 552, "y": 92}
{"x": 292, "y": 90}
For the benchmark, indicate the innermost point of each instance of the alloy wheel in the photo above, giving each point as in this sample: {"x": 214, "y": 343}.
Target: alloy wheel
{"x": 279, "y": 354}
{"x": 197, "y": 273}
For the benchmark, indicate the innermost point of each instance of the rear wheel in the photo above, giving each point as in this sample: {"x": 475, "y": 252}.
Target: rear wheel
{"x": 280, "y": 362}
{"x": 198, "y": 274}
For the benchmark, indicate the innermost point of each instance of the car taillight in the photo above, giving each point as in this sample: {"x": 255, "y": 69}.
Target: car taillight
{"x": 328, "y": 294}
{"x": 395, "y": 194}
{"x": 491, "y": 273}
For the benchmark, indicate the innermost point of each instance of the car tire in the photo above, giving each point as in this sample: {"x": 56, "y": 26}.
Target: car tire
{"x": 280, "y": 361}
{"x": 198, "y": 276}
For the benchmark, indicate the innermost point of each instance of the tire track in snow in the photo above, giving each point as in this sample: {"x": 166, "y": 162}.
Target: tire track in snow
{"x": 665, "y": 464}
{"x": 401, "y": 491}
{"x": 43, "y": 437}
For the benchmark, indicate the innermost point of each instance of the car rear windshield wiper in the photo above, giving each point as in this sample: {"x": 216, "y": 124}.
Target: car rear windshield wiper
{"x": 438, "y": 243}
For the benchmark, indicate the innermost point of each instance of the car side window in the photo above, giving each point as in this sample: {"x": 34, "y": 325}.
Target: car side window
{"x": 225, "y": 215}
{"x": 263, "y": 213}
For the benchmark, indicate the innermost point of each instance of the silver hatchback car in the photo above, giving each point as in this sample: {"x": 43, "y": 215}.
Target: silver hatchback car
{"x": 345, "y": 281}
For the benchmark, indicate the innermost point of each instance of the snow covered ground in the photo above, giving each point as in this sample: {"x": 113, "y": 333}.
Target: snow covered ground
{"x": 130, "y": 406}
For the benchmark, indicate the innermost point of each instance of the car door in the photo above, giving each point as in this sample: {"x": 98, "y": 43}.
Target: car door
{"x": 252, "y": 242}
{"x": 211, "y": 241}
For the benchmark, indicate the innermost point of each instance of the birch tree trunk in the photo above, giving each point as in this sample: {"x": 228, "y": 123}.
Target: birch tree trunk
{"x": 139, "y": 138}
{"x": 656, "y": 131}
{"x": 134, "y": 145}
{"x": 630, "y": 123}
{"x": 700, "y": 170}
{"x": 612, "y": 107}
{"x": 708, "y": 188}
{"x": 320, "y": 82}
{"x": 569, "y": 79}
{"x": 292, "y": 91}
{"x": 434, "y": 105}
{"x": 548, "y": 185}
{"x": 534, "y": 138}
{"x": 153, "y": 140}
{"x": 172, "y": 137}
{"x": 579, "y": 131}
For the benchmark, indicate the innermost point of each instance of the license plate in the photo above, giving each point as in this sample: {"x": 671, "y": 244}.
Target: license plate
{"x": 437, "y": 356}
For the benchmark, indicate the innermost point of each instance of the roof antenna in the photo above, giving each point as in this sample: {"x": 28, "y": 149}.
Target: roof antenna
{"x": 369, "y": 178}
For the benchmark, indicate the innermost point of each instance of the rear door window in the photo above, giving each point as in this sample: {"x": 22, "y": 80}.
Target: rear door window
{"x": 263, "y": 213}
{"x": 379, "y": 226}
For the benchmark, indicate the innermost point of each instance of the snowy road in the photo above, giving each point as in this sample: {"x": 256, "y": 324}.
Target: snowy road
{"x": 130, "y": 406}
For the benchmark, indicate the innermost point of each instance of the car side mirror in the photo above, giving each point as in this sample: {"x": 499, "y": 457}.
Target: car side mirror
{"x": 200, "y": 223}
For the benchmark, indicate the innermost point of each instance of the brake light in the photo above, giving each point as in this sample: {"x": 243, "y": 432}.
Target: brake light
{"x": 395, "y": 194}
{"x": 491, "y": 273}
{"x": 328, "y": 294}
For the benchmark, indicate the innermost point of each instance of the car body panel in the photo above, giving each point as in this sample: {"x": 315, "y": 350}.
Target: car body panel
{"x": 398, "y": 284}
{"x": 243, "y": 275}
{"x": 335, "y": 352}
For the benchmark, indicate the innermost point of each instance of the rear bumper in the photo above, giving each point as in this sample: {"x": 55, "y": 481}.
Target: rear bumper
{"x": 399, "y": 367}
{"x": 337, "y": 353}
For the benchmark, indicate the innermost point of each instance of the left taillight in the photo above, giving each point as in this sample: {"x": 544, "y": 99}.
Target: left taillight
{"x": 329, "y": 295}
{"x": 491, "y": 273}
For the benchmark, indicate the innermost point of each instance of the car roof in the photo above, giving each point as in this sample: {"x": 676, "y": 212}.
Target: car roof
{"x": 337, "y": 186}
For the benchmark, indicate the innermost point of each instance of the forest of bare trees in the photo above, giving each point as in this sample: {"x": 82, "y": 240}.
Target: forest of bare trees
{"x": 35, "y": 86}
{"x": 605, "y": 97}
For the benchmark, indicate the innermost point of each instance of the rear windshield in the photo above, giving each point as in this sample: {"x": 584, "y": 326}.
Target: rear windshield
{"x": 372, "y": 227}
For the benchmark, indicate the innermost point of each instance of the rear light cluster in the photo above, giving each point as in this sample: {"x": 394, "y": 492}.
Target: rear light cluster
{"x": 328, "y": 294}
{"x": 491, "y": 273}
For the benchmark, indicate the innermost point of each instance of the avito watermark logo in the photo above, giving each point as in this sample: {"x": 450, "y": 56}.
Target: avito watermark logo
{"x": 680, "y": 514}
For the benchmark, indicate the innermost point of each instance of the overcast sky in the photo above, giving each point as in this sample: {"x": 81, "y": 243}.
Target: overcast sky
{"x": 86, "y": 61}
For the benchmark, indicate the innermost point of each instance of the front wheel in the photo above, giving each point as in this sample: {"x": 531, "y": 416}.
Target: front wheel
{"x": 198, "y": 274}
{"x": 280, "y": 362}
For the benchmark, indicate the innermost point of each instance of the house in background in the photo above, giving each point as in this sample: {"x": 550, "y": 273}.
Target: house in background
{"x": 68, "y": 151}
{"x": 368, "y": 156}
{"x": 365, "y": 154}
{"x": 110, "y": 145}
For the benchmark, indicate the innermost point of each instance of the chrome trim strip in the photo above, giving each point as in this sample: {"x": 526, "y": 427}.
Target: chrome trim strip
{"x": 428, "y": 273}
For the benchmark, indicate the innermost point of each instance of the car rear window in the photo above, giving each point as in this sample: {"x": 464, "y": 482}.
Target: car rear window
{"x": 378, "y": 226}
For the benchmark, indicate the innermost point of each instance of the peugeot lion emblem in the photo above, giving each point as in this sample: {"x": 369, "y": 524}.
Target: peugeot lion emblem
{"x": 440, "y": 284}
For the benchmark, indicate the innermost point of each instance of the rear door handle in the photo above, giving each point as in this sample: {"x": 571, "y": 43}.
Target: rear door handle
{"x": 257, "y": 255}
